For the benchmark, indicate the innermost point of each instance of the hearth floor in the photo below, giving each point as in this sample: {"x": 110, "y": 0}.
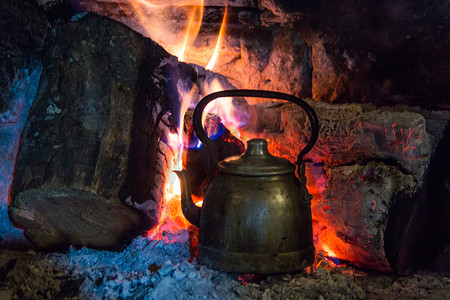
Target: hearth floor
{"x": 151, "y": 269}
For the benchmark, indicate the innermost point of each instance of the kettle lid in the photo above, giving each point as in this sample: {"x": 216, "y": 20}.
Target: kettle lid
{"x": 256, "y": 161}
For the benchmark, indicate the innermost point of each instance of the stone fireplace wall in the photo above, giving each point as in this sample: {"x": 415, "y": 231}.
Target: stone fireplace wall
{"x": 380, "y": 52}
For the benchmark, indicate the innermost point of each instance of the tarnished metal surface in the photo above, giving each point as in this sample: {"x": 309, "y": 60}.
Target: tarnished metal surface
{"x": 256, "y": 214}
{"x": 256, "y": 224}
{"x": 256, "y": 161}
{"x": 260, "y": 223}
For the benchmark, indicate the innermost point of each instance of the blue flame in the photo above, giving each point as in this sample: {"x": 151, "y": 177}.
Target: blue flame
{"x": 220, "y": 131}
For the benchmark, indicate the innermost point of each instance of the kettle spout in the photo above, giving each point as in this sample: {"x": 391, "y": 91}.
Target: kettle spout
{"x": 190, "y": 211}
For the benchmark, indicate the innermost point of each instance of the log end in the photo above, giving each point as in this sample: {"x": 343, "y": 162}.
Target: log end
{"x": 57, "y": 218}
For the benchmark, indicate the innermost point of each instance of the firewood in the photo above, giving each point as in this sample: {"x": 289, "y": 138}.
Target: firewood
{"x": 95, "y": 138}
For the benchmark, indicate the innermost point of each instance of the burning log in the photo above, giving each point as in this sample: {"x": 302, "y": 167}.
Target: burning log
{"x": 369, "y": 174}
{"x": 103, "y": 132}
{"x": 256, "y": 53}
{"x": 96, "y": 137}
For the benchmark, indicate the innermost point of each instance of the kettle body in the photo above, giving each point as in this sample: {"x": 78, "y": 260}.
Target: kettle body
{"x": 256, "y": 215}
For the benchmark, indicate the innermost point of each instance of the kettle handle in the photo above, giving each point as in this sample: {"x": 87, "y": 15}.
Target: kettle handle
{"x": 198, "y": 112}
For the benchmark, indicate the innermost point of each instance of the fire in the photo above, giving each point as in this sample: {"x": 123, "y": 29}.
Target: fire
{"x": 213, "y": 59}
{"x": 195, "y": 21}
{"x": 328, "y": 251}
{"x": 174, "y": 24}
{"x": 154, "y": 18}
{"x": 171, "y": 218}
{"x": 231, "y": 118}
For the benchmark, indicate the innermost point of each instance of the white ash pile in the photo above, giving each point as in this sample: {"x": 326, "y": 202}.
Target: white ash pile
{"x": 150, "y": 269}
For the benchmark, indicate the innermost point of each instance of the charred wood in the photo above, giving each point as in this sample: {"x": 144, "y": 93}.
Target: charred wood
{"x": 93, "y": 138}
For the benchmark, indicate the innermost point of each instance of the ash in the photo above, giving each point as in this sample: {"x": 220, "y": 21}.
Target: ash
{"x": 151, "y": 269}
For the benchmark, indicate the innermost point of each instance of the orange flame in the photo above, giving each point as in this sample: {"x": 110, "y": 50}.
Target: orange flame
{"x": 160, "y": 20}
{"x": 231, "y": 117}
{"x": 195, "y": 21}
{"x": 215, "y": 55}
{"x": 157, "y": 21}
{"x": 328, "y": 251}
{"x": 171, "y": 218}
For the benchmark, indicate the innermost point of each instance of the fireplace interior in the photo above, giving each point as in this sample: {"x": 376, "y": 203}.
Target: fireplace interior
{"x": 97, "y": 101}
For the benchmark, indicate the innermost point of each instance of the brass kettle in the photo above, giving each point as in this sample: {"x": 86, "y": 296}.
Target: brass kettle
{"x": 256, "y": 214}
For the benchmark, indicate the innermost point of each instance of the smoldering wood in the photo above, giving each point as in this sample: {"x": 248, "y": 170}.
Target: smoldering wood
{"x": 401, "y": 134}
{"x": 98, "y": 135}
{"x": 95, "y": 137}
{"x": 253, "y": 55}
{"x": 370, "y": 166}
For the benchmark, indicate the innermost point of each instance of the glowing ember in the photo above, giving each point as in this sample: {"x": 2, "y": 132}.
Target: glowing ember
{"x": 171, "y": 218}
{"x": 401, "y": 140}
{"x": 328, "y": 251}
